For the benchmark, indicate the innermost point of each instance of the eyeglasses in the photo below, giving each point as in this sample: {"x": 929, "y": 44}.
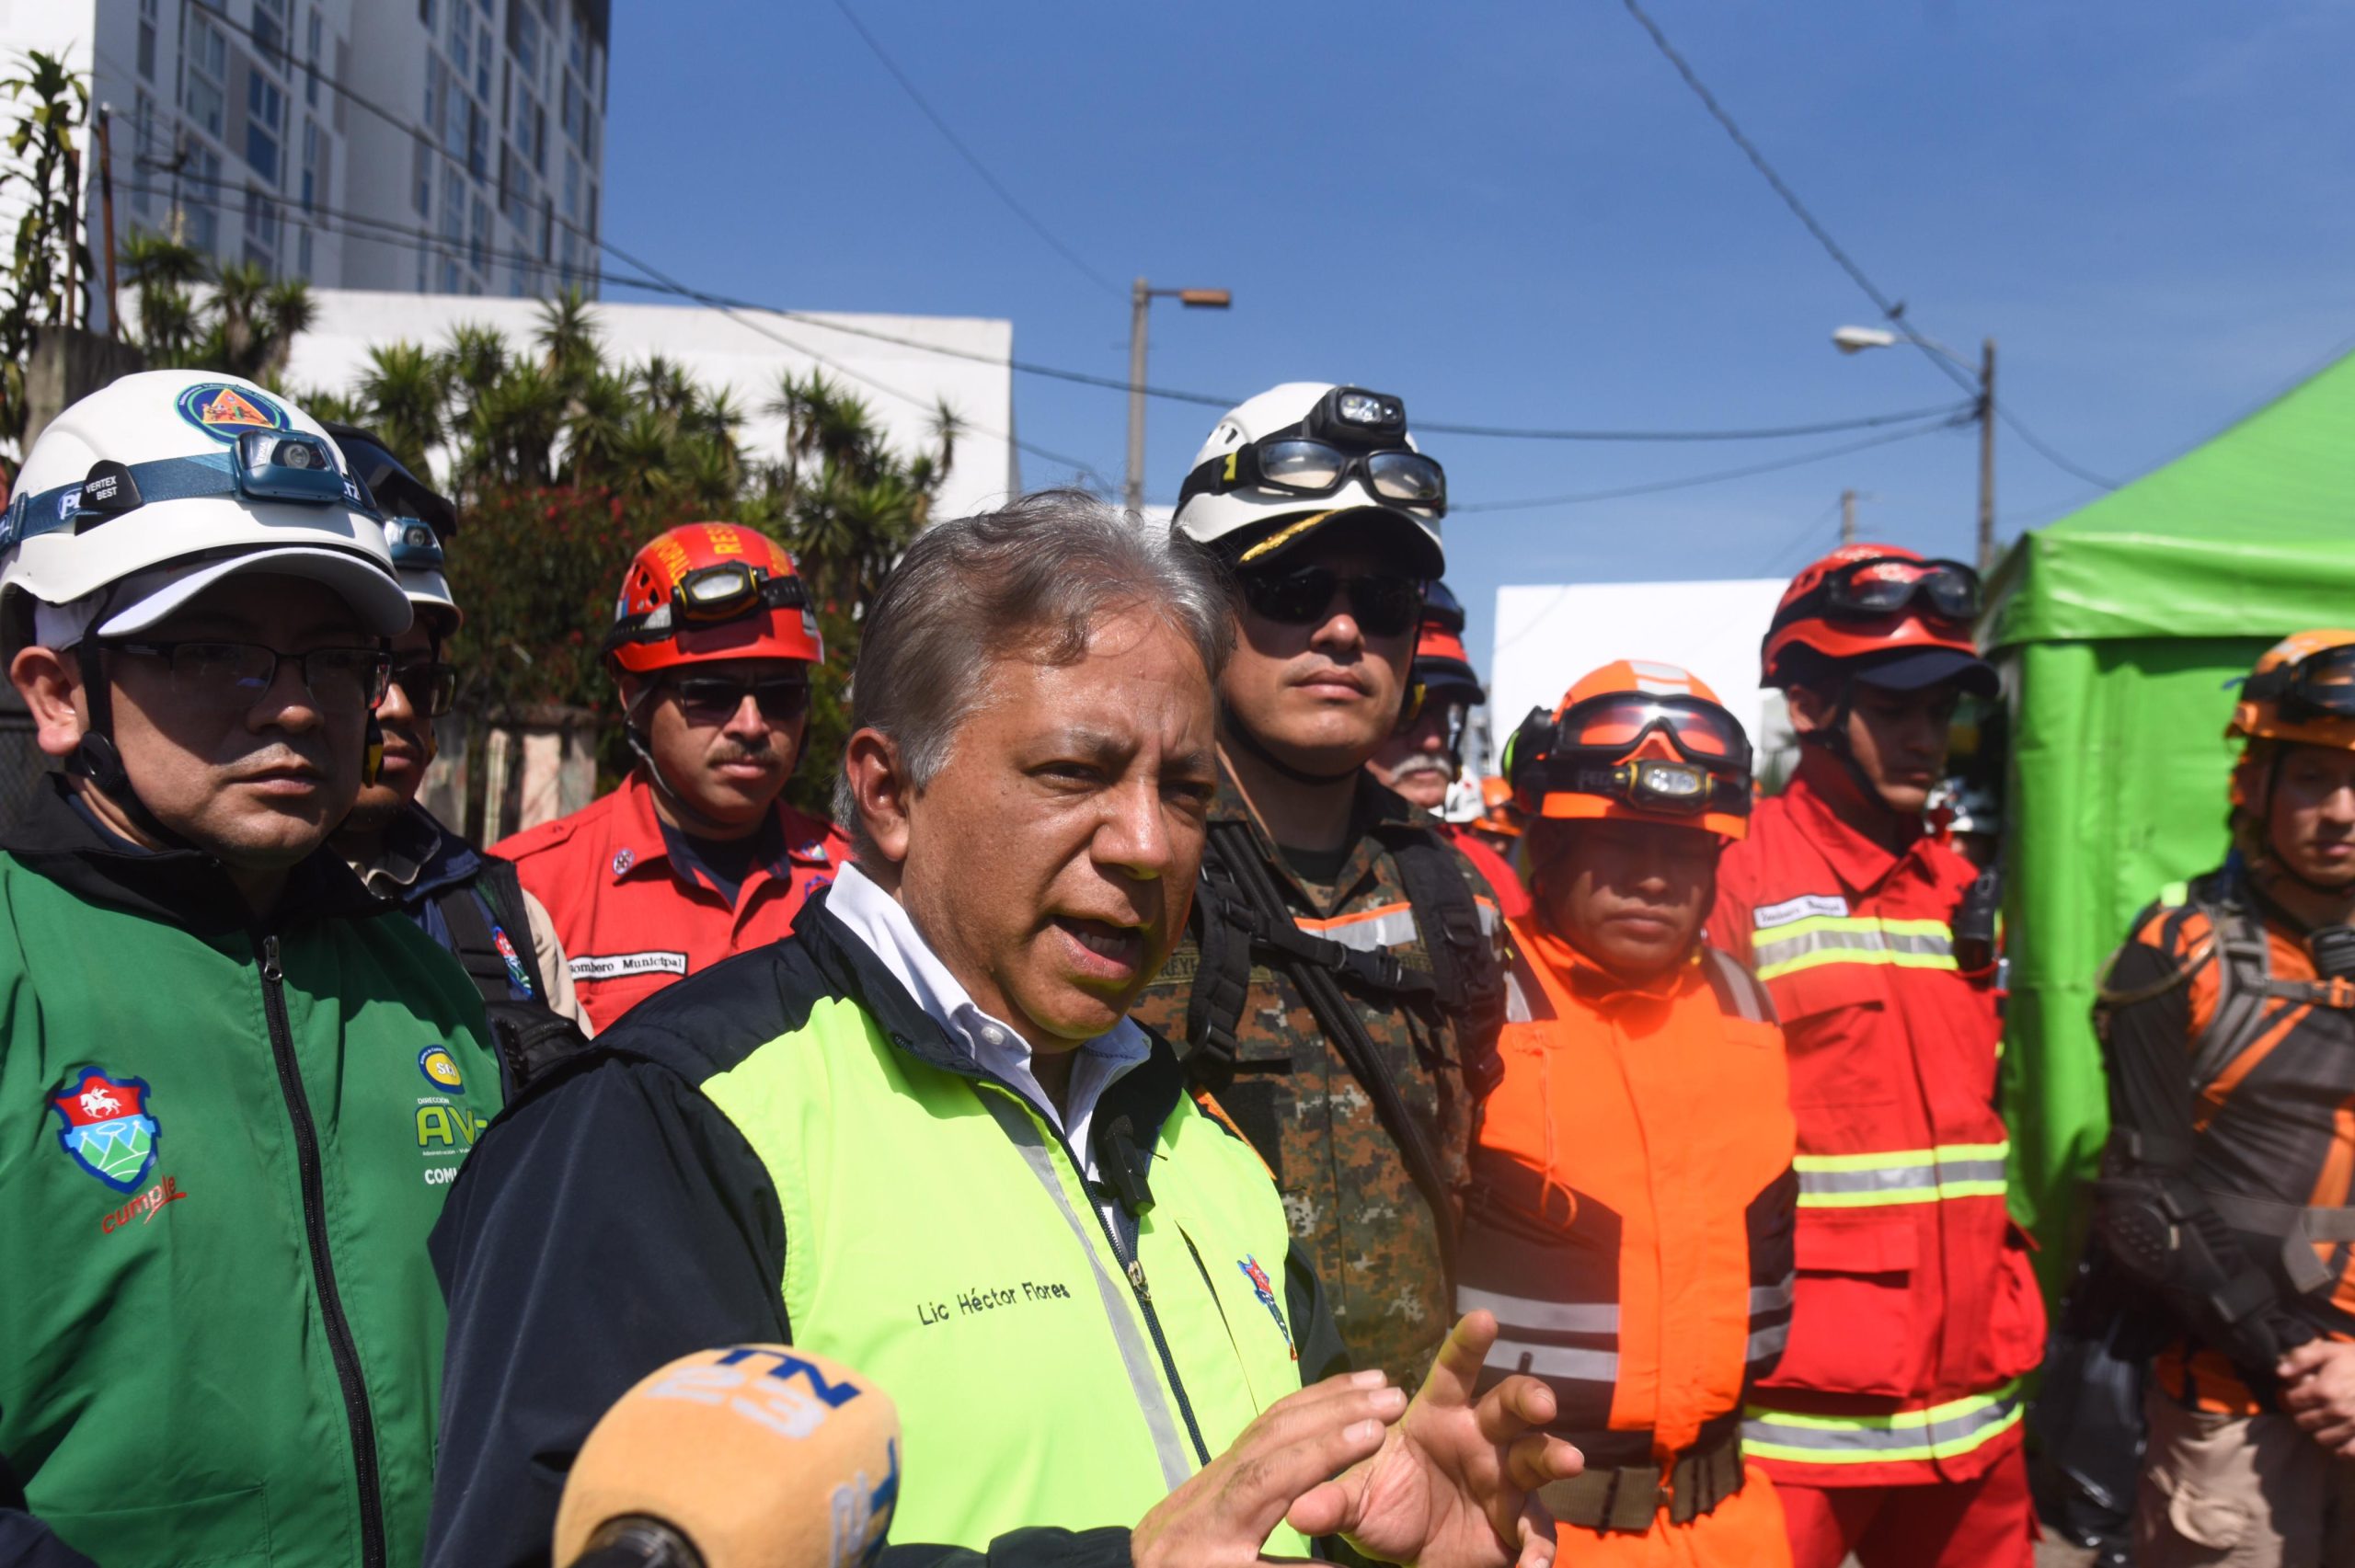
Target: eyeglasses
{"x": 1386, "y": 604}
{"x": 233, "y": 677}
{"x": 1885, "y": 584}
{"x": 705, "y": 700}
{"x": 432, "y": 688}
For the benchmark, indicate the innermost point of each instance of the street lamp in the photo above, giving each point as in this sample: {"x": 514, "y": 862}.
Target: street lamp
{"x": 1139, "y": 298}
{"x": 1856, "y": 339}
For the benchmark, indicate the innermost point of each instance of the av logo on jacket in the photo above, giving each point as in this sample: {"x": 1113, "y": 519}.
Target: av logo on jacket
{"x": 1264, "y": 1290}
{"x": 107, "y": 1130}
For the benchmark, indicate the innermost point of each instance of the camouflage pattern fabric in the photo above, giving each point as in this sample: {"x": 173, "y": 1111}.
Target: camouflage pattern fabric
{"x": 1372, "y": 1238}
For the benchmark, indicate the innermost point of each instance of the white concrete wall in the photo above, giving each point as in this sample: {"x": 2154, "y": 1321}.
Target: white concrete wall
{"x": 718, "y": 351}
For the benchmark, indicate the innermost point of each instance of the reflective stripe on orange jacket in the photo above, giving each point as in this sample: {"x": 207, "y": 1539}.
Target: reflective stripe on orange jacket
{"x": 1629, "y": 1216}
{"x": 1917, "y": 1313}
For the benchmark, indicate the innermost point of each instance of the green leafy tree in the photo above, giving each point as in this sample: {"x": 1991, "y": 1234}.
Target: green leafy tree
{"x": 48, "y": 262}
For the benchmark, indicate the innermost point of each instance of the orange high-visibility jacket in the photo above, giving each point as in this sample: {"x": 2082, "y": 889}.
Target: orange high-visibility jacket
{"x": 1917, "y": 1313}
{"x": 1629, "y": 1216}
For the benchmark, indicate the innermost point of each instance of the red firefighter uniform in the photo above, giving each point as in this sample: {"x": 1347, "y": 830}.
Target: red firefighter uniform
{"x": 633, "y": 922}
{"x": 1917, "y": 1314}
{"x": 632, "y": 917}
{"x": 1629, "y": 1213}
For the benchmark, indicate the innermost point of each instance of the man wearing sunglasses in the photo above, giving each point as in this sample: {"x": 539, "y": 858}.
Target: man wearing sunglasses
{"x": 234, "y": 1088}
{"x": 470, "y": 903}
{"x": 1893, "y": 1427}
{"x": 697, "y": 856}
{"x": 1423, "y": 759}
{"x": 2225, "y": 1195}
{"x": 1338, "y": 987}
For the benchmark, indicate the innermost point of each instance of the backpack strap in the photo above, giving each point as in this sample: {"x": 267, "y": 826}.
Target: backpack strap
{"x": 475, "y": 936}
{"x": 2244, "y": 983}
{"x": 1468, "y": 981}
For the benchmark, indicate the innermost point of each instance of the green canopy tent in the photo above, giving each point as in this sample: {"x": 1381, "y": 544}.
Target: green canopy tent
{"x": 2120, "y": 631}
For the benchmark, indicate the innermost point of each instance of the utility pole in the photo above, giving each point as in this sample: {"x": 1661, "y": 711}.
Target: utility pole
{"x": 1847, "y": 517}
{"x": 1986, "y": 455}
{"x": 1140, "y": 298}
{"x": 106, "y": 190}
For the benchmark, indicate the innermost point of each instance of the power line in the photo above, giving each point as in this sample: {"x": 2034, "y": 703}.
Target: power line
{"x": 1720, "y": 477}
{"x": 1825, "y": 427}
{"x": 1892, "y": 310}
{"x": 966, "y": 153}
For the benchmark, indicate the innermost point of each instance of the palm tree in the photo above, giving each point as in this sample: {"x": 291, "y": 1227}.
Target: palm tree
{"x": 405, "y": 391}
{"x": 568, "y": 336}
{"x": 235, "y": 341}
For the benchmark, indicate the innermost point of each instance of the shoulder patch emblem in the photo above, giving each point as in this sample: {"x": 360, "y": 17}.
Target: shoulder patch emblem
{"x": 225, "y": 412}
{"x": 1806, "y": 906}
{"x": 109, "y": 1130}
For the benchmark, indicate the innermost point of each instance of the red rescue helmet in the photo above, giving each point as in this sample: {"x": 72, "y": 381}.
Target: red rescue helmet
{"x": 1442, "y": 667}
{"x": 707, "y": 591}
{"x": 1635, "y": 741}
{"x": 1498, "y": 812}
{"x": 1880, "y": 614}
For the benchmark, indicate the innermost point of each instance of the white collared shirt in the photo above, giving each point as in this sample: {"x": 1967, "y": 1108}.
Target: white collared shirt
{"x": 877, "y": 920}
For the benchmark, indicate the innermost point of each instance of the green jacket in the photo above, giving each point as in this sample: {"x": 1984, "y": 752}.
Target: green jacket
{"x": 787, "y": 1148}
{"x": 222, "y": 1147}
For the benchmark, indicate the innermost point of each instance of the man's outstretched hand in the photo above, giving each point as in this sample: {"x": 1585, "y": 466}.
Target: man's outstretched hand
{"x": 1451, "y": 1484}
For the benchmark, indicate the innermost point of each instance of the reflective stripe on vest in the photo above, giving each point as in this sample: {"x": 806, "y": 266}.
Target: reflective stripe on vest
{"x": 1905, "y": 1176}
{"x": 1940, "y": 1432}
{"x": 940, "y": 1239}
{"x": 1819, "y": 940}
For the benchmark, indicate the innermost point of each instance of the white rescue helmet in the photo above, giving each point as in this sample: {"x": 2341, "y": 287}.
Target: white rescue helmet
{"x": 197, "y": 469}
{"x": 1297, "y": 457}
{"x": 418, "y": 521}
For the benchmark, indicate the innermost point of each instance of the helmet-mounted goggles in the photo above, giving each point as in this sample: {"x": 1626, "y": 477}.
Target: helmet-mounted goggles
{"x": 709, "y": 596}
{"x": 1881, "y": 586}
{"x": 1350, "y": 434}
{"x": 1590, "y": 748}
{"x": 262, "y": 466}
{"x": 2319, "y": 686}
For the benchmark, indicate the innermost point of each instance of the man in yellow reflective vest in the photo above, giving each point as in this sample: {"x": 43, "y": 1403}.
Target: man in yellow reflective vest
{"x": 922, "y": 1135}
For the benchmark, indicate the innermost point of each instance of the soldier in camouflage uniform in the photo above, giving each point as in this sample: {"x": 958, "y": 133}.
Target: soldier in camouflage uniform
{"x": 1333, "y": 561}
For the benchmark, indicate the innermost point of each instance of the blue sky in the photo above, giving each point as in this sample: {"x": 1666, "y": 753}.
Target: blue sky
{"x": 1517, "y": 214}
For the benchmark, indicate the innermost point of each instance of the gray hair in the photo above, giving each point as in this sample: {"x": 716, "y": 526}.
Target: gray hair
{"x": 1027, "y": 580}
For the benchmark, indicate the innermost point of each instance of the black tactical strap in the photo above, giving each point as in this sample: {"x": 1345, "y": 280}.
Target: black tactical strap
{"x": 1628, "y": 1498}
{"x": 476, "y": 946}
{"x": 1231, "y": 858}
{"x": 1470, "y": 983}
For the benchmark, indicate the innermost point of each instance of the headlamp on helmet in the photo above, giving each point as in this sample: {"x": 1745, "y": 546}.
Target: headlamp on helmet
{"x": 1353, "y": 414}
{"x": 414, "y": 546}
{"x": 709, "y": 596}
{"x": 1634, "y": 753}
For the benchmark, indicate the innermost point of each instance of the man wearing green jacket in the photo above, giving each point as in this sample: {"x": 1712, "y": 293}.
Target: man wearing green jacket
{"x": 921, "y": 1135}
{"x": 234, "y": 1088}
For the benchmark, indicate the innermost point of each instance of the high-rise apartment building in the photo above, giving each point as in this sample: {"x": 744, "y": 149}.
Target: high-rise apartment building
{"x": 446, "y": 147}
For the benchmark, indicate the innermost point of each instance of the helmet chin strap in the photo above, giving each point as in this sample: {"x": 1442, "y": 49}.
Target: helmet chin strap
{"x": 1833, "y": 738}
{"x": 97, "y": 759}
{"x": 681, "y": 807}
{"x": 1235, "y": 730}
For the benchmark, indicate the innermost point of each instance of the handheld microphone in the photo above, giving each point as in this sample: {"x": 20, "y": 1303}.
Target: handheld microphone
{"x": 751, "y": 1455}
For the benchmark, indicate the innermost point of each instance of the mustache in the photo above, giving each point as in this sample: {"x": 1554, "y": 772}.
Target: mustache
{"x": 1420, "y": 764}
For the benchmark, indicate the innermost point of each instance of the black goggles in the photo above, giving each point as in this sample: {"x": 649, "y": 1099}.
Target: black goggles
{"x": 709, "y": 596}
{"x": 1306, "y": 466}
{"x": 261, "y": 465}
{"x": 1881, "y": 586}
{"x": 1586, "y": 751}
{"x": 1386, "y": 604}
{"x": 2321, "y": 685}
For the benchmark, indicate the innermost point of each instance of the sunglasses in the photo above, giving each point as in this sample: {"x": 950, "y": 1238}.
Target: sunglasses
{"x": 1385, "y": 604}
{"x": 707, "y": 700}
{"x": 431, "y": 688}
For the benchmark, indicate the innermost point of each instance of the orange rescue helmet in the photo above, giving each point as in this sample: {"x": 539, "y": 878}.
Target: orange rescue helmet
{"x": 2300, "y": 693}
{"x": 1882, "y": 614}
{"x": 1442, "y": 667}
{"x": 707, "y": 591}
{"x": 1635, "y": 741}
{"x": 1498, "y": 813}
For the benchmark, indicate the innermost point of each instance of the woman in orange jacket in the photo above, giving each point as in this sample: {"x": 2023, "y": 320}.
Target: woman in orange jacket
{"x": 1631, "y": 1204}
